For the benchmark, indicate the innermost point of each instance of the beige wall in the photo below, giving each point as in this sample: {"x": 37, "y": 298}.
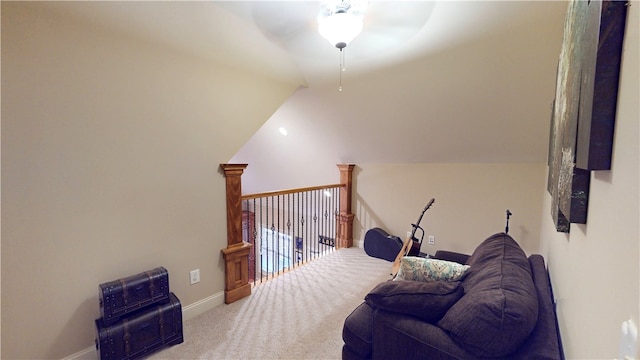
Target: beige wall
{"x": 110, "y": 153}
{"x": 110, "y": 156}
{"x": 470, "y": 202}
{"x": 594, "y": 269}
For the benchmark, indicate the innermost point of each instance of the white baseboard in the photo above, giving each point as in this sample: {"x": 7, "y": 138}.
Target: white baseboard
{"x": 360, "y": 244}
{"x": 199, "y": 307}
{"x": 86, "y": 354}
{"x": 188, "y": 312}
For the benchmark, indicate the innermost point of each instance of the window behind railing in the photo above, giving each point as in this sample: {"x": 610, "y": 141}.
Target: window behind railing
{"x": 289, "y": 228}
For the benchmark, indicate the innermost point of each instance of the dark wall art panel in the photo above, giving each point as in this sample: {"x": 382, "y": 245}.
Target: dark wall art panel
{"x": 603, "y": 38}
{"x": 583, "y": 112}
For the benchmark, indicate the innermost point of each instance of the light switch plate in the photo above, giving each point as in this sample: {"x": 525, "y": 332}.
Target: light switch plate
{"x": 628, "y": 340}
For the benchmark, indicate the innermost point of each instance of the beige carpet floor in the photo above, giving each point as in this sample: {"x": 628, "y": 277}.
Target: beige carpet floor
{"x": 298, "y": 315}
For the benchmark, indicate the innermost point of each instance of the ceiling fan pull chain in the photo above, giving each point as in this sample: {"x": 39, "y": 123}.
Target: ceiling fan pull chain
{"x": 341, "y": 68}
{"x": 342, "y": 61}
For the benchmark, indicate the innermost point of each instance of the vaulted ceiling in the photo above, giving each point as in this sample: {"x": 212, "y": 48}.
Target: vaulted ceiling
{"x": 426, "y": 81}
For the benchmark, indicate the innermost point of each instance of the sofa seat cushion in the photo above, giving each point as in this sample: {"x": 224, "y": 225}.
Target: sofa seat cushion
{"x": 357, "y": 331}
{"x": 499, "y": 309}
{"x": 428, "y": 301}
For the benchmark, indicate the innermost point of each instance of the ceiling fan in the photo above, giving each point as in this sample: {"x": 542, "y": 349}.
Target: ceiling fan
{"x": 294, "y": 27}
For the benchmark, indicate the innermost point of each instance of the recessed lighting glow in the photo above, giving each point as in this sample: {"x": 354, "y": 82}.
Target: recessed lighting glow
{"x": 283, "y": 131}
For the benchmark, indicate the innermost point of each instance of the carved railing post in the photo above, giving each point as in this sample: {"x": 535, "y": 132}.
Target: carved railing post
{"x": 236, "y": 255}
{"x": 344, "y": 236}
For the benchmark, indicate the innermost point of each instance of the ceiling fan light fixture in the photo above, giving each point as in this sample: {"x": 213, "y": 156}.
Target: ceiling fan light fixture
{"x": 341, "y": 21}
{"x": 340, "y": 28}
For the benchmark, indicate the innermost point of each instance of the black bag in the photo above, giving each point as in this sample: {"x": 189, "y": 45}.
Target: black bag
{"x": 141, "y": 332}
{"x": 126, "y": 295}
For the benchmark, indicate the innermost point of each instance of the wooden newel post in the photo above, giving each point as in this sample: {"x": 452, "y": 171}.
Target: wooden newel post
{"x": 344, "y": 234}
{"x": 236, "y": 255}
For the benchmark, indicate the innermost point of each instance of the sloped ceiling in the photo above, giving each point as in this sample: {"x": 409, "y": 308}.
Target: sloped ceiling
{"x": 426, "y": 81}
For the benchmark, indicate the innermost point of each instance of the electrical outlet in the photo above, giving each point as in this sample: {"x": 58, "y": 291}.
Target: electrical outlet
{"x": 194, "y": 276}
{"x": 432, "y": 240}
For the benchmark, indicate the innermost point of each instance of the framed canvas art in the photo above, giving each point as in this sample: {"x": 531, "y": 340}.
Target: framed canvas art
{"x": 583, "y": 111}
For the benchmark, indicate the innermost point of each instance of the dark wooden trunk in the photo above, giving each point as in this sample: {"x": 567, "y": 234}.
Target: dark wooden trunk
{"x": 141, "y": 333}
{"x": 124, "y": 296}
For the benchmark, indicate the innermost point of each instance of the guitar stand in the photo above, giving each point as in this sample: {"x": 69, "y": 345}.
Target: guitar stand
{"x": 411, "y": 247}
{"x": 414, "y": 248}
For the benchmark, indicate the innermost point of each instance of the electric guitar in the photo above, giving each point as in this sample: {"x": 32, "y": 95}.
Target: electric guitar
{"x": 411, "y": 246}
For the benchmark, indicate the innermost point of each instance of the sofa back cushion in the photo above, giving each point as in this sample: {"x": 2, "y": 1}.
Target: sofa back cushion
{"x": 499, "y": 308}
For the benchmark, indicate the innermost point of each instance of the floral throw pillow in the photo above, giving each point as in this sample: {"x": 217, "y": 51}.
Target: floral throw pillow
{"x": 424, "y": 269}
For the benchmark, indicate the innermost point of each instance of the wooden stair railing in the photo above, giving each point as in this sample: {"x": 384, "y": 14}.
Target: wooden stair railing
{"x": 236, "y": 254}
{"x": 344, "y": 237}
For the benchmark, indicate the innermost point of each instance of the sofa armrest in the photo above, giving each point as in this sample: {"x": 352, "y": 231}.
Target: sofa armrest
{"x": 451, "y": 256}
{"x": 544, "y": 342}
{"x": 398, "y": 336}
